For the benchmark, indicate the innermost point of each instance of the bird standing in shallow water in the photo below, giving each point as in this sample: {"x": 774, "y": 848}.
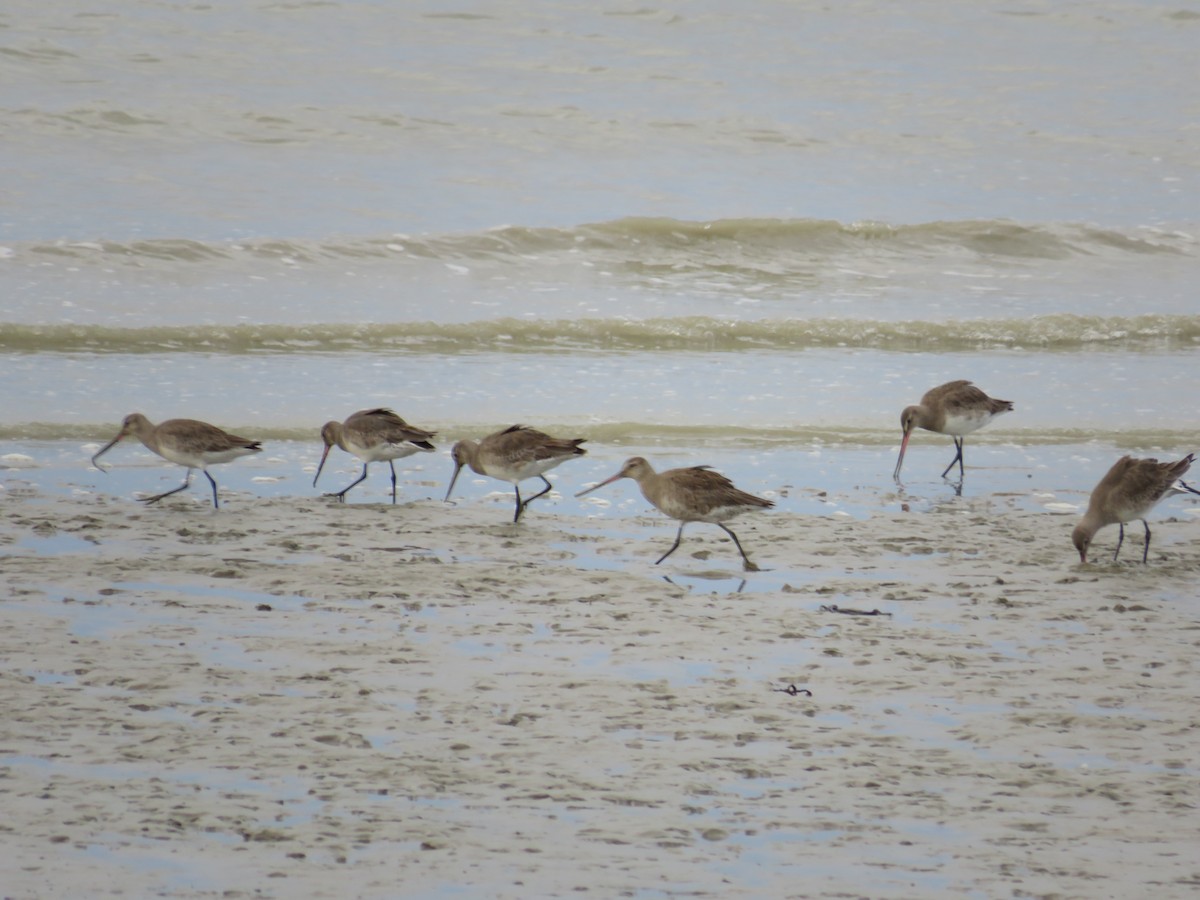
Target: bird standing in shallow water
{"x": 695, "y": 494}
{"x": 1130, "y": 489}
{"x": 512, "y": 455}
{"x": 373, "y": 435}
{"x": 187, "y": 442}
{"x": 955, "y": 408}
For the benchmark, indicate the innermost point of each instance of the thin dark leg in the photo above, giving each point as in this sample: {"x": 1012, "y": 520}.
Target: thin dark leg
{"x": 1146, "y": 549}
{"x": 678, "y": 537}
{"x": 183, "y": 487}
{"x": 958, "y": 458}
{"x": 392, "y": 465}
{"x": 341, "y": 495}
{"x": 213, "y": 482}
{"x": 521, "y": 506}
{"x": 1120, "y": 539}
{"x": 746, "y": 564}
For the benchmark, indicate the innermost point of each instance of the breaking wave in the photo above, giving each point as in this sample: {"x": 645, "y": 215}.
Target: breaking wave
{"x": 767, "y": 245}
{"x": 686, "y": 334}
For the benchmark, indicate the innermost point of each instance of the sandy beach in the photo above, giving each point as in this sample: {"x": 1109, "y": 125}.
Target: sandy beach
{"x": 744, "y": 235}
{"x": 290, "y": 697}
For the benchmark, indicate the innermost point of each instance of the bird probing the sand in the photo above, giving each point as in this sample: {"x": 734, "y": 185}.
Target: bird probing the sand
{"x": 1129, "y": 490}
{"x": 373, "y": 435}
{"x": 955, "y": 408}
{"x": 186, "y": 442}
{"x": 514, "y": 454}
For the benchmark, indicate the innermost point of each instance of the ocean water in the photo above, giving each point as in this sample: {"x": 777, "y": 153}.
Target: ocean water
{"x": 743, "y": 236}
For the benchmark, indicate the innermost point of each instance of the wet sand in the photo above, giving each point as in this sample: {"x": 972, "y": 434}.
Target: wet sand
{"x": 290, "y": 697}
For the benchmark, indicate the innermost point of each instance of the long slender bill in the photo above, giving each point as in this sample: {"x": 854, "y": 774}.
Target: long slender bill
{"x": 900, "y": 461}
{"x": 600, "y": 485}
{"x": 105, "y": 449}
{"x": 324, "y": 456}
{"x": 453, "y": 478}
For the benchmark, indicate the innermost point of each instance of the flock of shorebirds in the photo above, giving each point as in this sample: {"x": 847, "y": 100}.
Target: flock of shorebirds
{"x": 1127, "y": 493}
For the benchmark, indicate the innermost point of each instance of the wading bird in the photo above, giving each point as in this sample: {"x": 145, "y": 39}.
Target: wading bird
{"x": 1130, "y": 489}
{"x": 373, "y": 435}
{"x": 955, "y": 408}
{"x": 186, "y": 442}
{"x": 512, "y": 455}
{"x": 695, "y": 494}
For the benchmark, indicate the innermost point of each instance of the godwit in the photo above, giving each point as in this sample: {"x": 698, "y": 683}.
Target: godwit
{"x": 696, "y": 494}
{"x": 1129, "y": 491}
{"x": 373, "y": 435}
{"x": 955, "y": 408}
{"x": 186, "y": 442}
{"x": 513, "y": 455}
